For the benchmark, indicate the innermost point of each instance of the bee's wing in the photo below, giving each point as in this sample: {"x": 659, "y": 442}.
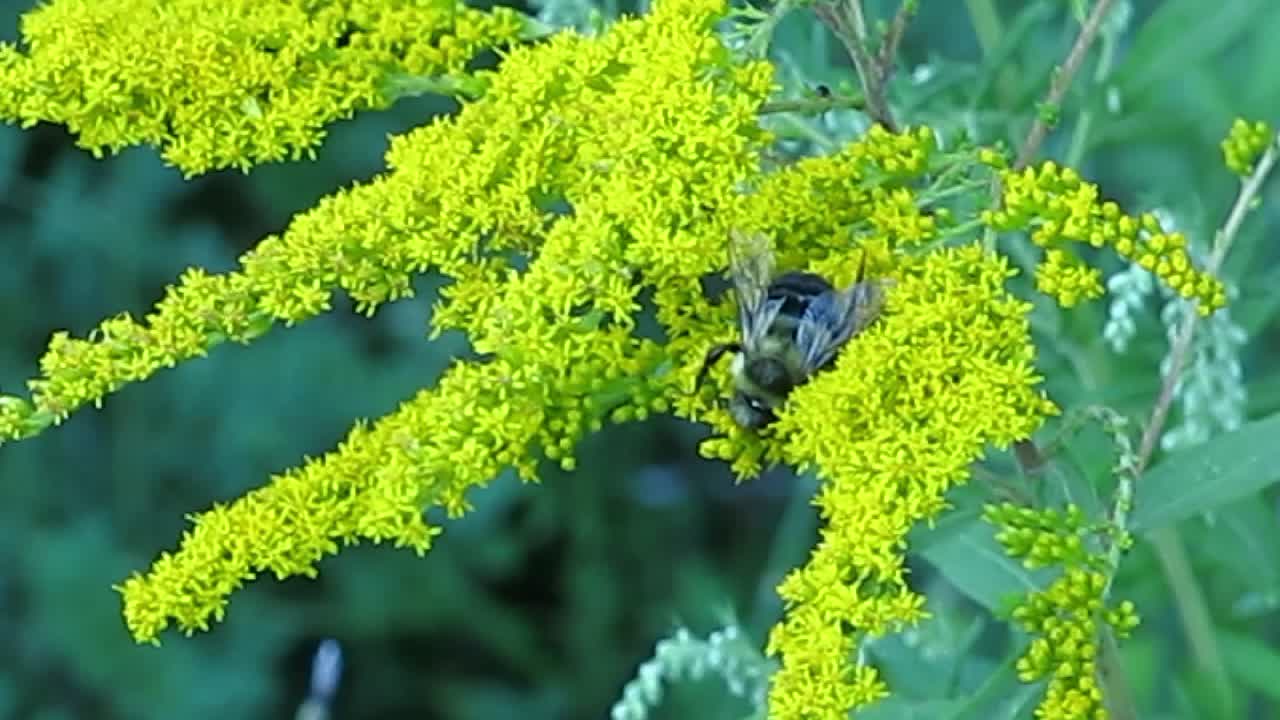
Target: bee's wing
{"x": 751, "y": 268}
{"x": 833, "y": 318}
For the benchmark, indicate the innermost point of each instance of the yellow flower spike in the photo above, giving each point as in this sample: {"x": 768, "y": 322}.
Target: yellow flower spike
{"x": 251, "y": 83}
{"x": 878, "y": 440}
{"x": 1056, "y": 206}
{"x": 1064, "y": 617}
{"x": 453, "y": 184}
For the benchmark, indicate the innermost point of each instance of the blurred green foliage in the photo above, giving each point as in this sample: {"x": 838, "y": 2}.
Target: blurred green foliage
{"x": 542, "y": 603}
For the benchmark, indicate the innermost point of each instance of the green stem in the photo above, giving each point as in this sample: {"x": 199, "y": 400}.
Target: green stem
{"x": 1222, "y": 242}
{"x": 1062, "y": 81}
{"x": 794, "y": 128}
{"x": 926, "y": 198}
{"x": 401, "y": 86}
{"x": 1080, "y": 135}
{"x": 1119, "y": 697}
{"x": 986, "y": 24}
{"x": 1193, "y": 612}
{"x": 758, "y": 43}
{"x": 989, "y": 240}
{"x": 812, "y": 106}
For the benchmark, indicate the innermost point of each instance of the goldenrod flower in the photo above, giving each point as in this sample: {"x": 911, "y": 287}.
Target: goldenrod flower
{"x": 910, "y": 403}
{"x": 1245, "y": 143}
{"x": 1064, "y": 618}
{"x": 575, "y": 119}
{"x": 235, "y": 83}
{"x": 593, "y": 172}
{"x": 1057, "y": 207}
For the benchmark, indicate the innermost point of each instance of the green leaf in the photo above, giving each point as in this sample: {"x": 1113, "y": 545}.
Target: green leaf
{"x": 1241, "y": 539}
{"x": 894, "y": 708}
{"x": 1252, "y": 662}
{"x": 1161, "y": 54}
{"x": 1001, "y": 697}
{"x": 972, "y": 561}
{"x": 1262, "y": 84}
{"x": 1257, "y": 305}
{"x": 1193, "y": 480}
{"x": 924, "y": 662}
{"x": 1264, "y": 392}
{"x": 995, "y": 695}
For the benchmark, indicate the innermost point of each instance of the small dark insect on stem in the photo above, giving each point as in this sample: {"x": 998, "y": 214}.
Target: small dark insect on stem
{"x": 847, "y": 21}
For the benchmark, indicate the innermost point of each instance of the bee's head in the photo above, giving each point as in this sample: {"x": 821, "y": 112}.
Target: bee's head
{"x": 750, "y": 411}
{"x": 761, "y": 382}
{"x": 767, "y": 373}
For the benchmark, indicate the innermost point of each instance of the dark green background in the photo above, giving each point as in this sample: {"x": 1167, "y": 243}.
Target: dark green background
{"x": 541, "y": 603}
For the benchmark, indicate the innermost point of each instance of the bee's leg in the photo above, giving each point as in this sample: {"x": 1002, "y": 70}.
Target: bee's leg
{"x": 713, "y": 356}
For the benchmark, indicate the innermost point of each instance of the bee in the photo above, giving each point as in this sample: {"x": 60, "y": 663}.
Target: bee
{"x": 791, "y": 326}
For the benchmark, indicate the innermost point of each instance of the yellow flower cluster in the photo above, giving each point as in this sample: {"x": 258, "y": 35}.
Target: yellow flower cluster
{"x": 816, "y": 210}
{"x": 1054, "y": 205}
{"x": 592, "y": 173}
{"x": 1065, "y": 617}
{"x": 574, "y": 121}
{"x": 909, "y": 405}
{"x": 1245, "y": 143}
{"x": 245, "y": 83}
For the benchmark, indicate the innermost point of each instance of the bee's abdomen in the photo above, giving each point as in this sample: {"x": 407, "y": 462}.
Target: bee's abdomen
{"x": 796, "y": 290}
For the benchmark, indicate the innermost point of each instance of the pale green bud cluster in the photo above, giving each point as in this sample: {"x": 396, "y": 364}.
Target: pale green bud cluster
{"x": 683, "y": 657}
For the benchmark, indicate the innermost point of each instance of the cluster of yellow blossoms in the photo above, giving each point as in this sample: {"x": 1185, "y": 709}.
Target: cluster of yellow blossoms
{"x": 1244, "y": 143}
{"x": 890, "y": 429}
{"x": 236, "y": 83}
{"x": 1055, "y": 206}
{"x": 1064, "y": 618}
{"x": 597, "y": 179}
{"x": 649, "y": 178}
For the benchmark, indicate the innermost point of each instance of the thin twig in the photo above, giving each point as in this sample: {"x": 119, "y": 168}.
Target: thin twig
{"x": 889, "y": 48}
{"x": 1187, "y": 594}
{"x": 845, "y": 20}
{"x": 859, "y": 21}
{"x": 1057, "y": 89}
{"x": 757, "y": 41}
{"x": 812, "y": 106}
{"x": 1193, "y": 613}
{"x": 1182, "y": 342}
{"x": 1062, "y": 81}
{"x": 1118, "y": 696}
